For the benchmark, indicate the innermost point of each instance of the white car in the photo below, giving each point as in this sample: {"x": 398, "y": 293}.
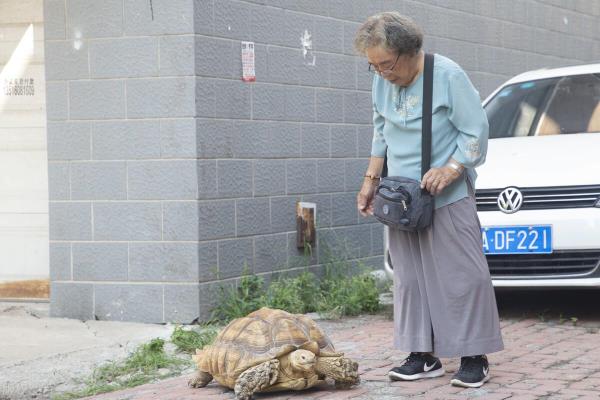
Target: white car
{"x": 538, "y": 193}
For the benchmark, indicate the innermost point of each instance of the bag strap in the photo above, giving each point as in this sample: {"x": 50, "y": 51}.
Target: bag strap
{"x": 425, "y": 120}
{"x": 426, "y": 115}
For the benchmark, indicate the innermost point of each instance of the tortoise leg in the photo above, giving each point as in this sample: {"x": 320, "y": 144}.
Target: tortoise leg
{"x": 342, "y": 370}
{"x": 200, "y": 380}
{"x": 256, "y": 379}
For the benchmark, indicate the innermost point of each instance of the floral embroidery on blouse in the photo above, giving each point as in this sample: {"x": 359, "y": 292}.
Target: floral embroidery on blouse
{"x": 406, "y": 104}
{"x": 472, "y": 149}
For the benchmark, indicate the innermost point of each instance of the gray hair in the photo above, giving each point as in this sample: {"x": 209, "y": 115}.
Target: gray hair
{"x": 391, "y": 30}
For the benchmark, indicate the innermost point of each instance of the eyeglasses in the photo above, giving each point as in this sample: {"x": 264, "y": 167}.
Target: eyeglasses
{"x": 375, "y": 70}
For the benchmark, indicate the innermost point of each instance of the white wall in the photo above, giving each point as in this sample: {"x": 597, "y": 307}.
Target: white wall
{"x": 23, "y": 157}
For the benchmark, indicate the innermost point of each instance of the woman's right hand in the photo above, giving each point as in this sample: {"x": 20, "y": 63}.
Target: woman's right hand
{"x": 364, "y": 199}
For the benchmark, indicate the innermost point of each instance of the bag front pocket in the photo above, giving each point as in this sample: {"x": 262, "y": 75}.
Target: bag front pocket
{"x": 391, "y": 206}
{"x": 401, "y": 203}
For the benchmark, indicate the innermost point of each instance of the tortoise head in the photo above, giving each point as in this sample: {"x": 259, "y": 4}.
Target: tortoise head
{"x": 303, "y": 360}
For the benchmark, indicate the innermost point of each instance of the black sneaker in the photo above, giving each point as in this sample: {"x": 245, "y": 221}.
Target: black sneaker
{"x": 473, "y": 372}
{"x": 416, "y": 366}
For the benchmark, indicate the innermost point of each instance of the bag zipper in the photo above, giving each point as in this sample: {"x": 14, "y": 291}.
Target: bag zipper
{"x": 403, "y": 201}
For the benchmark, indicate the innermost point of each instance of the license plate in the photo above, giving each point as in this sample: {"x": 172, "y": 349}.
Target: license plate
{"x": 517, "y": 239}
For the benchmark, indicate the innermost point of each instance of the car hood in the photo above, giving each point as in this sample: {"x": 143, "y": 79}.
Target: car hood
{"x": 561, "y": 160}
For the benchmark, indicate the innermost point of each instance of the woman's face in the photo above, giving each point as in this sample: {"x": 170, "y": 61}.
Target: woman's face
{"x": 400, "y": 70}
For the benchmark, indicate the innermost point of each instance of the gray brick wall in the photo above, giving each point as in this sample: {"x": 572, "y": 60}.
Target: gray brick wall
{"x": 168, "y": 175}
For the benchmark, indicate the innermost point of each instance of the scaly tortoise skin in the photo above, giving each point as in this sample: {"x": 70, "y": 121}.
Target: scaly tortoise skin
{"x": 271, "y": 350}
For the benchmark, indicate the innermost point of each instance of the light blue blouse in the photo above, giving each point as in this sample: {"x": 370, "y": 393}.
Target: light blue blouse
{"x": 459, "y": 126}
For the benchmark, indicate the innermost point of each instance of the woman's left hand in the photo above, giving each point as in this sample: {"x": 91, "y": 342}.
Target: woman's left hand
{"x": 436, "y": 179}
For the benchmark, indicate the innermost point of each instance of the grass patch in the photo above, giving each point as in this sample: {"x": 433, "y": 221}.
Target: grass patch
{"x": 348, "y": 295}
{"x": 338, "y": 293}
{"x": 235, "y": 302}
{"x": 188, "y": 340}
{"x": 146, "y": 363}
{"x": 297, "y": 295}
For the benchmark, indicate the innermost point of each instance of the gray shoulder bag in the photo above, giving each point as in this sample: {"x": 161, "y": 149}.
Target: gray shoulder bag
{"x": 399, "y": 202}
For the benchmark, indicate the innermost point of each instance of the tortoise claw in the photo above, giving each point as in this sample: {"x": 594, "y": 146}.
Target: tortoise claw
{"x": 342, "y": 370}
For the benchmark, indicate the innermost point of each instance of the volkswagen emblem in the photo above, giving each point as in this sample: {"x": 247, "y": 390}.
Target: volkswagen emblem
{"x": 510, "y": 200}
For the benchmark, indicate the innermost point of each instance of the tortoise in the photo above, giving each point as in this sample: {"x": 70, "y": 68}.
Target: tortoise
{"x": 271, "y": 350}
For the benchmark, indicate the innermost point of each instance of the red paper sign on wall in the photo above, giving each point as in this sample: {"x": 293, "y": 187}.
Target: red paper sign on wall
{"x": 248, "y": 73}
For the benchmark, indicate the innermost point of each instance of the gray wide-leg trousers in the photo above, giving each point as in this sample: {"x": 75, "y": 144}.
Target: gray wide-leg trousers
{"x": 444, "y": 301}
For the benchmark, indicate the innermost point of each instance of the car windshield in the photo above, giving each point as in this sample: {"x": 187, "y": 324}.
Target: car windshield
{"x": 566, "y": 105}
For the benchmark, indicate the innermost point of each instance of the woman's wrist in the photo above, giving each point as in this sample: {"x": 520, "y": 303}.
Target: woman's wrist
{"x": 370, "y": 181}
{"x": 372, "y": 176}
{"x": 455, "y": 165}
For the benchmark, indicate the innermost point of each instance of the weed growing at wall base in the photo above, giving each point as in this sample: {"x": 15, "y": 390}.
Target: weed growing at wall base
{"x": 238, "y": 301}
{"x": 338, "y": 293}
{"x": 297, "y": 295}
{"x": 348, "y": 295}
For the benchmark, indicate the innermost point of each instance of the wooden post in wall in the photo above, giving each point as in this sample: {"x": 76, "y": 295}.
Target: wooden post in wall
{"x": 305, "y": 224}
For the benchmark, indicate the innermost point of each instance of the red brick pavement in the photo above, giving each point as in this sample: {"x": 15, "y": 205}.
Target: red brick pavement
{"x": 540, "y": 360}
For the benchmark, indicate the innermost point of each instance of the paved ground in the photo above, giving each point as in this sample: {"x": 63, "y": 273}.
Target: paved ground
{"x": 547, "y": 356}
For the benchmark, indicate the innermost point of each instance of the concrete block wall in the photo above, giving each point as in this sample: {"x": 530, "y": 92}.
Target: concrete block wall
{"x": 168, "y": 175}
{"x": 123, "y": 174}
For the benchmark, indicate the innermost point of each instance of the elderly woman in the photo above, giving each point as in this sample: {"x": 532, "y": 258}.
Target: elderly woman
{"x": 444, "y": 301}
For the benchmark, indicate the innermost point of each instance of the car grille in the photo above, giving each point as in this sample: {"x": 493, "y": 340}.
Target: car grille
{"x": 557, "y": 263}
{"x": 543, "y": 197}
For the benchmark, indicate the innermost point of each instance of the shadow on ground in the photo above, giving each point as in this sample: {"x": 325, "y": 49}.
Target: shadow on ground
{"x": 551, "y": 305}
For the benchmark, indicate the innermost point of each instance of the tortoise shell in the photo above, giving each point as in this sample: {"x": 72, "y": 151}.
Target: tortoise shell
{"x": 261, "y": 336}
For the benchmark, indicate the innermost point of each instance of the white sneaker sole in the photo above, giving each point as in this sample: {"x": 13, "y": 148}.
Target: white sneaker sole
{"x": 458, "y": 382}
{"x": 431, "y": 374}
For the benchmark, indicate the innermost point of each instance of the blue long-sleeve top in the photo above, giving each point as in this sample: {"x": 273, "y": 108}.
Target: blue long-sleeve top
{"x": 459, "y": 126}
